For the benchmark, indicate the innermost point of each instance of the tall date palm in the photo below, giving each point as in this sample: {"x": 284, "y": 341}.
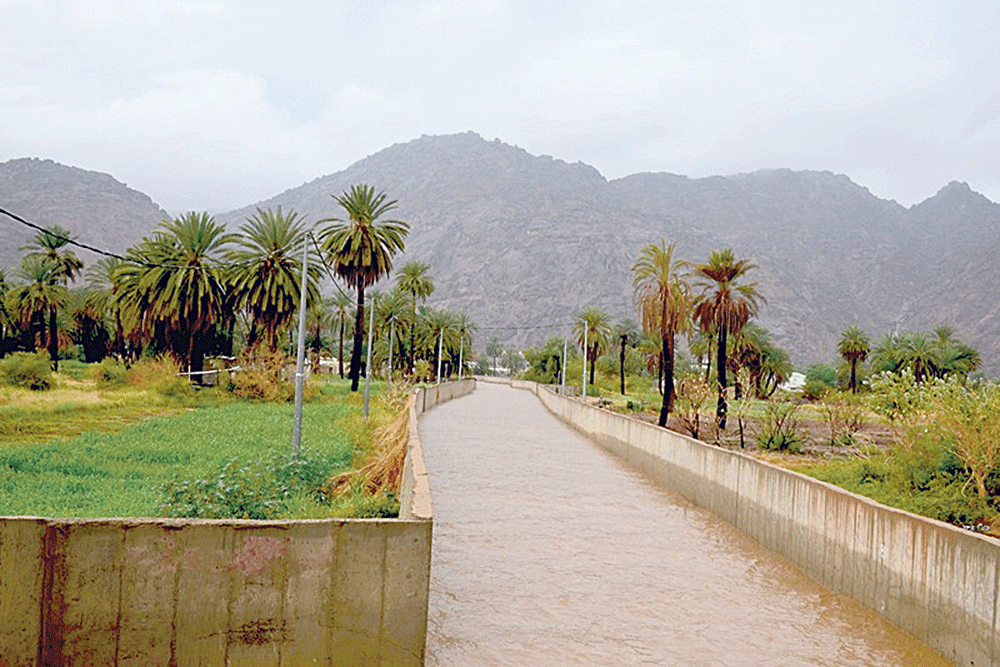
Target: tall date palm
{"x": 268, "y": 271}
{"x": 361, "y": 247}
{"x": 412, "y": 278}
{"x": 663, "y": 299}
{"x": 724, "y": 306}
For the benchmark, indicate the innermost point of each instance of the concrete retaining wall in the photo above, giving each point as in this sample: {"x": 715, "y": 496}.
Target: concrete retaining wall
{"x": 197, "y": 592}
{"x": 939, "y": 582}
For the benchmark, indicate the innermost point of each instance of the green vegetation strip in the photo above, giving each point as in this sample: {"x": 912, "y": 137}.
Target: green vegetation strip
{"x": 118, "y": 474}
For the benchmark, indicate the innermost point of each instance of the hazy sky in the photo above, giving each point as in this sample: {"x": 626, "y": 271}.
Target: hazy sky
{"x": 216, "y": 104}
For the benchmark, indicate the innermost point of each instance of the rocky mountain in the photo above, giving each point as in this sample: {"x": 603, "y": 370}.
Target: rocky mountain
{"x": 100, "y": 211}
{"x": 521, "y": 242}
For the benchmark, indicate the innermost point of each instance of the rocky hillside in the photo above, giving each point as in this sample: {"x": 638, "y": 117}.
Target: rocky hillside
{"x": 99, "y": 210}
{"x": 521, "y": 242}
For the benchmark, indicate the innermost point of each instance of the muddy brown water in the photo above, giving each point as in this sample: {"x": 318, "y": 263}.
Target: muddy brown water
{"x": 549, "y": 551}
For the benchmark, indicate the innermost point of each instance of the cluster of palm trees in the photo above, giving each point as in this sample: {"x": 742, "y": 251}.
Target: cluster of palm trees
{"x": 937, "y": 354}
{"x": 192, "y": 288}
{"x": 712, "y": 304}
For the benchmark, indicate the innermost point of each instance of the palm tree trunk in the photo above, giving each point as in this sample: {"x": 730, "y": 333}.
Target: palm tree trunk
{"x": 854, "y": 385}
{"x": 668, "y": 379}
{"x": 359, "y": 326}
{"x": 53, "y": 339}
{"x": 593, "y": 360}
{"x": 720, "y": 371}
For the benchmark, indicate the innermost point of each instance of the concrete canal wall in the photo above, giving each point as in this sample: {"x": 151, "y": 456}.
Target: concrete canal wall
{"x": 201, "y": 592}
{"x": 930, "y": 578}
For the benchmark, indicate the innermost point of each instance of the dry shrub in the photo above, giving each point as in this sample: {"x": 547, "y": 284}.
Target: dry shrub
{"x": 260, "y": 377}
{"x": 152, "y": 373}
{"x": 384, "y": 471}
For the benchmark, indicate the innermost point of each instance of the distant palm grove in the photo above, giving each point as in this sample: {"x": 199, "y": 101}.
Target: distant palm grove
{"x": 195, "y": 289}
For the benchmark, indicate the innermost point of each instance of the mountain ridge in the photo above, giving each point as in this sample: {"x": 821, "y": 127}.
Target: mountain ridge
{"x": 520, "y": 241}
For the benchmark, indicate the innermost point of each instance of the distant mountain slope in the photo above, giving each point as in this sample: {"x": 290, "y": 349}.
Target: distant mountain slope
{"x": 100, "y": 211}
{"x": 522, "y": 242}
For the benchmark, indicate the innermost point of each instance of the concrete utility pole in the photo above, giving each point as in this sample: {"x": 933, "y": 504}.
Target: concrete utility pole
{"x": 461, "y": 350}
{"x": 368, "y": 368}
{"x": 440, "y": 346}
{"x": 301, "y": 355}
{"x": 392, "y": 333}
{"x": 562, "y": 383}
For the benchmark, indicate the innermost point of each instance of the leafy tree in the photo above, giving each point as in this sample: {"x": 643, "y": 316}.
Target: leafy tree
{"x": 545, "y": 363}
{"x": 50, "y": 247}
{"x": 854, "y": 347}
{"x": 724, "y": 306}
{"x": 412, "y": 278}
{"x": 361, "y": 248}
{"x": 267, "y": 276}
{"x": 663, "y": 298}
{"x": 592, "y": 325}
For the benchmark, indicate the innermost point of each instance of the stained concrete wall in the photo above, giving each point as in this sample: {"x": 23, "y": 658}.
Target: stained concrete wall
{"x": 198, "y": 592}
{"x": 937, "y": 581}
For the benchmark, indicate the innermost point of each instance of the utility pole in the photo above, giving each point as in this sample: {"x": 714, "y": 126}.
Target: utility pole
{"x": 461, "y": 349}
{"x": 440, "y": 346}
{"x": 392, "y": 333}
{"x": 562, "y": 389}
{"x": 301, "y": 355}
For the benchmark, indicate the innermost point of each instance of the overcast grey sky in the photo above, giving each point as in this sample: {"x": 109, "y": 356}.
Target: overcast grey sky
{"x": 216, "y": 104}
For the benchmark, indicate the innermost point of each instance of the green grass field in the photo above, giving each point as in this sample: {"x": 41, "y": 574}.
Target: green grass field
{"x": 97, "y": 474}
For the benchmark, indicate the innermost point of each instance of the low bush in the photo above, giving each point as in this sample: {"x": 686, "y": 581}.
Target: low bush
{"x": 779, "y": 428}
{"x": 24, "y": 369}
{"x": 110, "y": 373}
{"x": 260, "y": 489}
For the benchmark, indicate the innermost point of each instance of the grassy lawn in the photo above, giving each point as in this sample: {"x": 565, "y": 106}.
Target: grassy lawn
{"x": 79, "y": 451}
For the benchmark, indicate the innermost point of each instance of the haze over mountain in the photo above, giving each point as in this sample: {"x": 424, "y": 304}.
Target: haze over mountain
{"x": 521, "y": 242}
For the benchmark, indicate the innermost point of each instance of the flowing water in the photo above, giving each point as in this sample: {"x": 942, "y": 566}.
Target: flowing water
{"x": 549, "y": 551}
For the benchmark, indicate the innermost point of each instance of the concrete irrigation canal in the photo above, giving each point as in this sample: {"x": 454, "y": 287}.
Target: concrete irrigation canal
{"x": 549, "y": 551}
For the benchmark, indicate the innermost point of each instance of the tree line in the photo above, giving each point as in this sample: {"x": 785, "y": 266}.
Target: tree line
{"x": 193, "y": 289}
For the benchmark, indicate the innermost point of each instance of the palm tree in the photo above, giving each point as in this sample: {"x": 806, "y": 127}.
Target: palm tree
{"x": 494, "y": 349}
{"x": 724, "y": 306}
{"x": 412, "y": 278}
{"x": 437, "y": 328}
{"x": 854, "y": 346}
{"x": 48, "y": 245}
{"x": 466, "y": 329}
{"x": 593, "y": 325}
{"x": 268, "y": 275}
{"x": 42, "y": 293}
{"x": 628, "y": 335}
{"x": 921, "y": 353}
{"x": 177, "y": 291}
{"x": 663, "y": 299}
{"x": 361, "y": 249}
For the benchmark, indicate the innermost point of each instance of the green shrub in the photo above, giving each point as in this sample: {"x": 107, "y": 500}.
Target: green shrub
{"x": 23, "y": 369}
{"x": 110, "y": 373}
{"x": 258, "y": 490}
{"x": 814, "y": 390}
{"x": 779, "y": 428}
